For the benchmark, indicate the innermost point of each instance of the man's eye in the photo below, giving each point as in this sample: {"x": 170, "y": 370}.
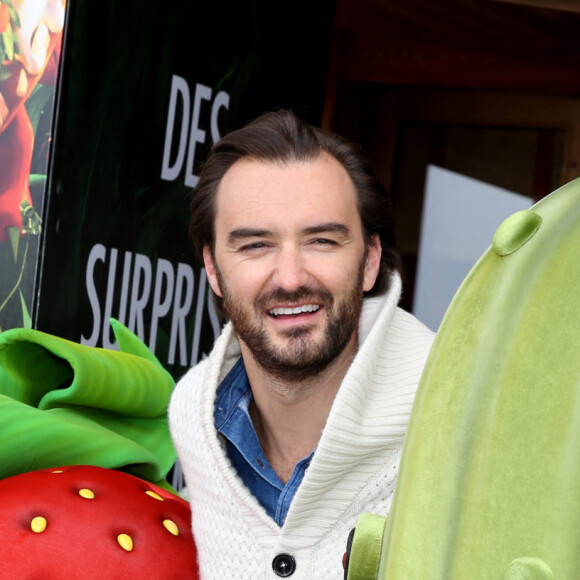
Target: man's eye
{"x": 324, "y": 242}
{"x": 253, "y": 246}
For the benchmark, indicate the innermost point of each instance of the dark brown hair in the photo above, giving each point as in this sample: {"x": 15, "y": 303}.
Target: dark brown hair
{"x": 282, "y": 137}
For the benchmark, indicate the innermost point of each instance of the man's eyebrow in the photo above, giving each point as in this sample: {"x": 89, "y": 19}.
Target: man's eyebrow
{"x": 244, "y": 233}
{"x": 328, "y": 227}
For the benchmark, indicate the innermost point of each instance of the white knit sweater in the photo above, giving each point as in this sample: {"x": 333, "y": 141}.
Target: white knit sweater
{"x": 353, "y": 469}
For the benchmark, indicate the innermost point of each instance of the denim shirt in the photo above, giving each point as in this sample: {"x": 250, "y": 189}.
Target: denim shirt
{"x": 232, "y": 420}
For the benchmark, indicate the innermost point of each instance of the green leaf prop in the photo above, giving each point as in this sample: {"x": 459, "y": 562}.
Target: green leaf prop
{"x": 26, "y": 320}
{"x": 62, "y": 403}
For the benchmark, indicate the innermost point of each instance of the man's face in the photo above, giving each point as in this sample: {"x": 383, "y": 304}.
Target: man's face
{"x": 290, "y": 263}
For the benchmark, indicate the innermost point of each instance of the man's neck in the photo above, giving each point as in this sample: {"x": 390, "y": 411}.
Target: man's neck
{"x": 289, "y": 417}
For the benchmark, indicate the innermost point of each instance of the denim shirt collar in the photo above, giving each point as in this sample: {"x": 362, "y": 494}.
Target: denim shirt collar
{"x": 233, "y": 422}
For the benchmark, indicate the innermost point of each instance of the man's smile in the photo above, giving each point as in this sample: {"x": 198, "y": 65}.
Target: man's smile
{"x": 293, "y": 310}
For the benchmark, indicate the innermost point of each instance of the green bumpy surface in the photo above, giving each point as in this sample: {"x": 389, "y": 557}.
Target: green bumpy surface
{"x": 62, "y": 403}
{"x": 489, "y": 484}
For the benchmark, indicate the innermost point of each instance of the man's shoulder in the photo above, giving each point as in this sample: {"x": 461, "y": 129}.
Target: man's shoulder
{"x": 197, "y": 369}
{"x": 191, "y": 379}
{"x": 410, "y": 324}
{"x": 412, "y": 336}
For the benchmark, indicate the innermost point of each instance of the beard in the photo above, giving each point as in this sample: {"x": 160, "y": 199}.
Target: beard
{"x": 301, "y": 357}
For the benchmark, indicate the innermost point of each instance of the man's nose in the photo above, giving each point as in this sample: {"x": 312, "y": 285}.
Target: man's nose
{"x": 290, "y": 272}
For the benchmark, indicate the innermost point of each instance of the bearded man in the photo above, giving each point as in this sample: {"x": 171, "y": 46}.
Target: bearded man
{"x": 294, "y": 425}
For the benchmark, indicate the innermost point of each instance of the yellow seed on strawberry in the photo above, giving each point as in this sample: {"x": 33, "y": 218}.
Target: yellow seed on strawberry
{"x": 125, "y": 541}
{"x": 171, "y": 527}
{"x": 87, "y": 493}
{"x": 38, "y": 524}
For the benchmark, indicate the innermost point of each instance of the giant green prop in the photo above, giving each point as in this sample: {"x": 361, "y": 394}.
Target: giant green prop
{"x": 62, "y": 403}
{"x": 489, "y": 484}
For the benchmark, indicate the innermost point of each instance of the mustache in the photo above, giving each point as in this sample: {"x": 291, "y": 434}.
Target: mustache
{"x": 278, "y": 295}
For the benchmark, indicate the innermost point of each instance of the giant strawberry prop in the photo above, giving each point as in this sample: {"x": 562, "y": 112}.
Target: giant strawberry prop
{"x": 93, "y": 523}
{"x": 100, "y": 414}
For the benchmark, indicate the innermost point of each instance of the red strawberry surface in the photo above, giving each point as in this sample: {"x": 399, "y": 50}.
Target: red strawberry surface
{"x": 93, "y": 523}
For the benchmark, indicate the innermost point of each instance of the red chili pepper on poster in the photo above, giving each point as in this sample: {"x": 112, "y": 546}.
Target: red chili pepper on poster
{"x": 4, "y": 18}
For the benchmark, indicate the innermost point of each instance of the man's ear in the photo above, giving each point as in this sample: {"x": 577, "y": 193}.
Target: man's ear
{"x": 373, "y": 263}
{"x": 211, "y": 270}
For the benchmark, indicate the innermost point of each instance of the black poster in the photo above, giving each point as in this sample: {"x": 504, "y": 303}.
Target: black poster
{"x": 144, "y": 89}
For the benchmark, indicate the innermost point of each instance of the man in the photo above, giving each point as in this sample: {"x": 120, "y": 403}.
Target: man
{"x": 293, "y": 426}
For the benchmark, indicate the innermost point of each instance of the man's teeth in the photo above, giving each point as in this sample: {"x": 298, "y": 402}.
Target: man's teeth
{"x": 295, "y": 310}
